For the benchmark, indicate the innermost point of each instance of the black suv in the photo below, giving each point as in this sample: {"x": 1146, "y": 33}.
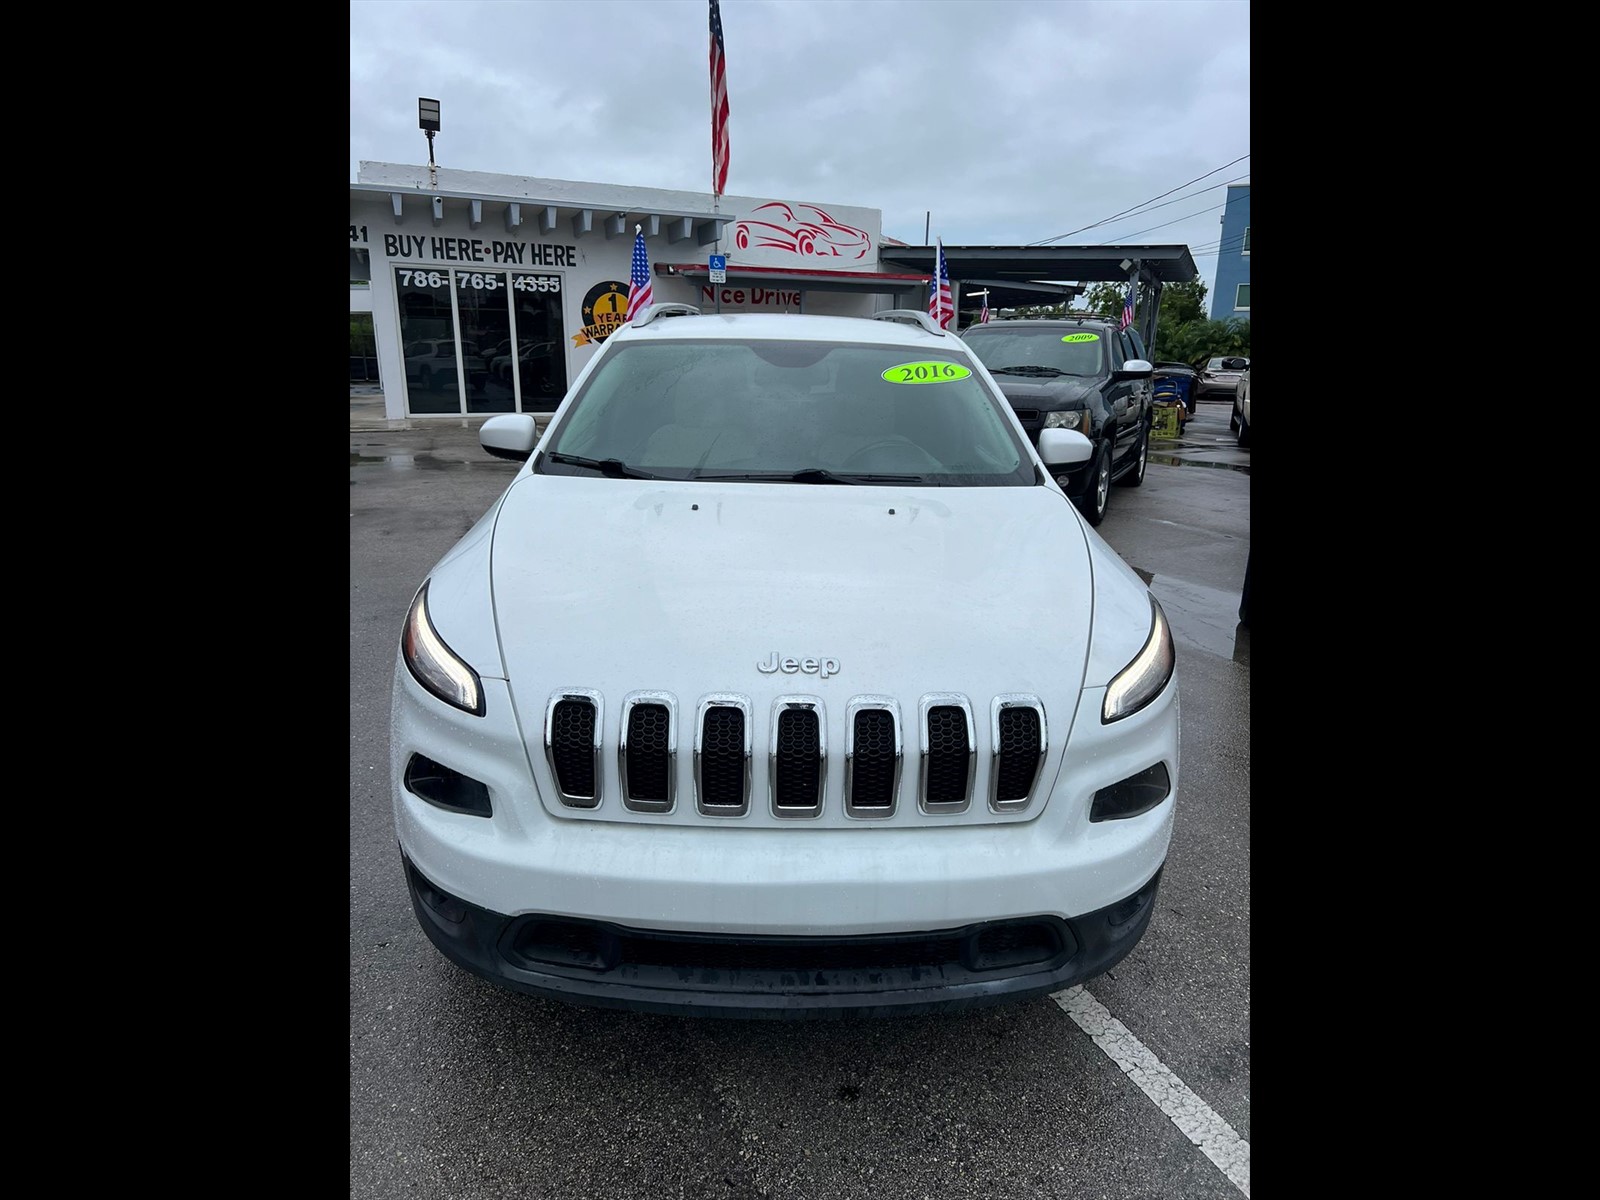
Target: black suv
{"x": 1079, "y": 373}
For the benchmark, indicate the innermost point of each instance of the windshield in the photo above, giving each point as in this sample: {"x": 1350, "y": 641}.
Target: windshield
{"x": 1063, "y": 349}
{"x": 803, "y": 412}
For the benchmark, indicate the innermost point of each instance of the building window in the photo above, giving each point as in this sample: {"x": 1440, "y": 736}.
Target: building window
{"x": 1241, "y": 300}
{"x": 460, "y": 350}
{"x": 1246, "y": 249}
{"x": 360, "y": 267}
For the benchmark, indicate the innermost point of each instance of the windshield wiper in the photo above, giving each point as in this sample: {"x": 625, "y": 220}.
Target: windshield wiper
{"x": 614, "y": 467}
{"x": 809, "y": 475}
{"x": 1027, "y": 370}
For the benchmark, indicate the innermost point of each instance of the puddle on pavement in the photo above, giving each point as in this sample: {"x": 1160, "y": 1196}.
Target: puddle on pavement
{"x": 1201, "y": 617}
{"x": 425, "y": 462}
{"x": 1173, "y": 460}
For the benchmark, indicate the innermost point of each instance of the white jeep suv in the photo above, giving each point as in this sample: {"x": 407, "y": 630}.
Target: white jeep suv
{"x": 784, "y": 679}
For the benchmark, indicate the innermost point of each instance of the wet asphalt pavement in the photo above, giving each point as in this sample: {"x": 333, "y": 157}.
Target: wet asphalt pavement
{"x": 461, "y": 1089}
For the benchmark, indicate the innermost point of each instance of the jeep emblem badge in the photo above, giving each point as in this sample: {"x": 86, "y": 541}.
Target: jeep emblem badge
{"x": 821, "y": 667}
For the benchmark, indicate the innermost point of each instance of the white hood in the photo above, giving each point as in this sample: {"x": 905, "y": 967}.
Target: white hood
{"x": 625, "y": 585}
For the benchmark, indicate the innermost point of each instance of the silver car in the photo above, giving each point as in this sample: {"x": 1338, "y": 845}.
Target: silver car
{"x": 1240, "y": 423}
{"x": 1220, "y": 377}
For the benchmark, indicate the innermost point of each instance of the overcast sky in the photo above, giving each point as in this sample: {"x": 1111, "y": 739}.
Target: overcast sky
{"x": 1013, "y": 122}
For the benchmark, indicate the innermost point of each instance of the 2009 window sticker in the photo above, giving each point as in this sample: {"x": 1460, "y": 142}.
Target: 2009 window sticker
{"x": 1081, "y": 337}
{"x": 925, "y": 372}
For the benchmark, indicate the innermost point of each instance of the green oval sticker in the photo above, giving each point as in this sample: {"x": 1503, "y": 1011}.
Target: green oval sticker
{"x": 1081, "y": 337}
{"x": 925, "y": 372}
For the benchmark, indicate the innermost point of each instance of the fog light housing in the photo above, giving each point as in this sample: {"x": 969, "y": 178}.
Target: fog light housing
{"x": 1131, "y": 796}
{"x": 446, "y": 789}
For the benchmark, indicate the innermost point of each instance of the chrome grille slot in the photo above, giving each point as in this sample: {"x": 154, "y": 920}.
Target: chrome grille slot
{"x": 798, "y": 757}
{"x": 722, "y": 756}
{"x": 872, "y": 756}
{"x": 1020, "y": 743}
{"x": 647, "y": 752}
{"x": 949, "y": 758}
{"x": 572, "y": 723}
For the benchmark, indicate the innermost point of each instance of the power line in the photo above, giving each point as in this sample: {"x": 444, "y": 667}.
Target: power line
{"x": 1236, "y": 242}
{"x": 1202, "y": 212}
{"x": 1179, "y": 200}
{"x": 1190, "y": 196}
{"x": 1141, "y": 204}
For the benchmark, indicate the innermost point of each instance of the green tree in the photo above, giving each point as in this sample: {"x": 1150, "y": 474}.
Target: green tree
{"x": 1106, "y": 298}
{"x": 1040, "y": 312}
{"x": 1195, "y": 341}
{"x": 1184, "y": 302}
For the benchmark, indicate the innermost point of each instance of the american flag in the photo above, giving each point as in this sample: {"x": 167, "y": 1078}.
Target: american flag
{"x": 1127, "y": 309}
{"x": 983, "y": 315}
{"x": 719, "y": 105}
{"x": 639, "y": 286}
{"x": 940, "y": 306}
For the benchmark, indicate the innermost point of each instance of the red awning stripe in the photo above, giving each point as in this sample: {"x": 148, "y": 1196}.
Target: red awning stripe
{"x": 700, "y": 268}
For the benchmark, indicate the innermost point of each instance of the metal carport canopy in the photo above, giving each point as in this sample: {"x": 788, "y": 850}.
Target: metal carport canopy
{"x": 1152, "y": 266}
{"x": 1067, "y": 264}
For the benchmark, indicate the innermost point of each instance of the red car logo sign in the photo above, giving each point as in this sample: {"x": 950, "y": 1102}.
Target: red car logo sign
{"x": 800, "y": 229}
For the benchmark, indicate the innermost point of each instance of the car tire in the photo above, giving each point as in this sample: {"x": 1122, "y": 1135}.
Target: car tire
{"x": 1233, "y": 418}
{"x": 1244, "y": 431}
{"x": 1134, "y": 476}
{"x": 1098, "y": 495}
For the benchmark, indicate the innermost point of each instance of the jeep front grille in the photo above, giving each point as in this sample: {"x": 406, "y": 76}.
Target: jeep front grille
{"x": 646, "y": 731}
{"x": 572, "y": 745}
{"x": 1020, "y": 742}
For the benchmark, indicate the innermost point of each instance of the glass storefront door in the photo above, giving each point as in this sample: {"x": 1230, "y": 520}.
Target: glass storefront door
{"x": 428, "y": 339}
{"x": 541, "y": 350}
{"x": 480, "y": 341}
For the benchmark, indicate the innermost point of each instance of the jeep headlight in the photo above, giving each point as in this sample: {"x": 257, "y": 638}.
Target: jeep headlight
{"x": 435, "y": 666}
{"x": 1141, "y": 680}
{"x": 1070, "y": 419}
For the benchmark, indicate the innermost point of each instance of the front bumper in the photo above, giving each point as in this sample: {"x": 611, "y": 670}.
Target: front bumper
{"x": 701, "y": 974}
{"x": 762, "y": 881}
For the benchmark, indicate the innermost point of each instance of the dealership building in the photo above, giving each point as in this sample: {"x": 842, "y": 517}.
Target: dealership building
{"x": 477, "y": 293}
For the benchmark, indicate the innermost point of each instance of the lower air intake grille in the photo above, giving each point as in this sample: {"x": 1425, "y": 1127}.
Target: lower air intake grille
{"x": 873, "y": 763}
{"x": 948, "y": 755}
{"x": 797, "y": 765}
{"x": 722, "y": 758}
{"x": 1019, "y": 751}
{"x": 572, "y": 748}
{"x": 648, "y": 755}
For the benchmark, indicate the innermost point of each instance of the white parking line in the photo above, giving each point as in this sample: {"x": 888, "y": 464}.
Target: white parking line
{"x": 1192, "y": 1115}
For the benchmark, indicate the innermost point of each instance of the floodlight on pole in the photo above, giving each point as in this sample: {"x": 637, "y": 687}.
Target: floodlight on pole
{"x": 428, "y": 122}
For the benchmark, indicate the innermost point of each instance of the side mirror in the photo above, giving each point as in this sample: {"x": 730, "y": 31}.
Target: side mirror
{"x": 1064, "y": 448}
{"x": 1134, "y": 368}
{"x": 510, "y": 435}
